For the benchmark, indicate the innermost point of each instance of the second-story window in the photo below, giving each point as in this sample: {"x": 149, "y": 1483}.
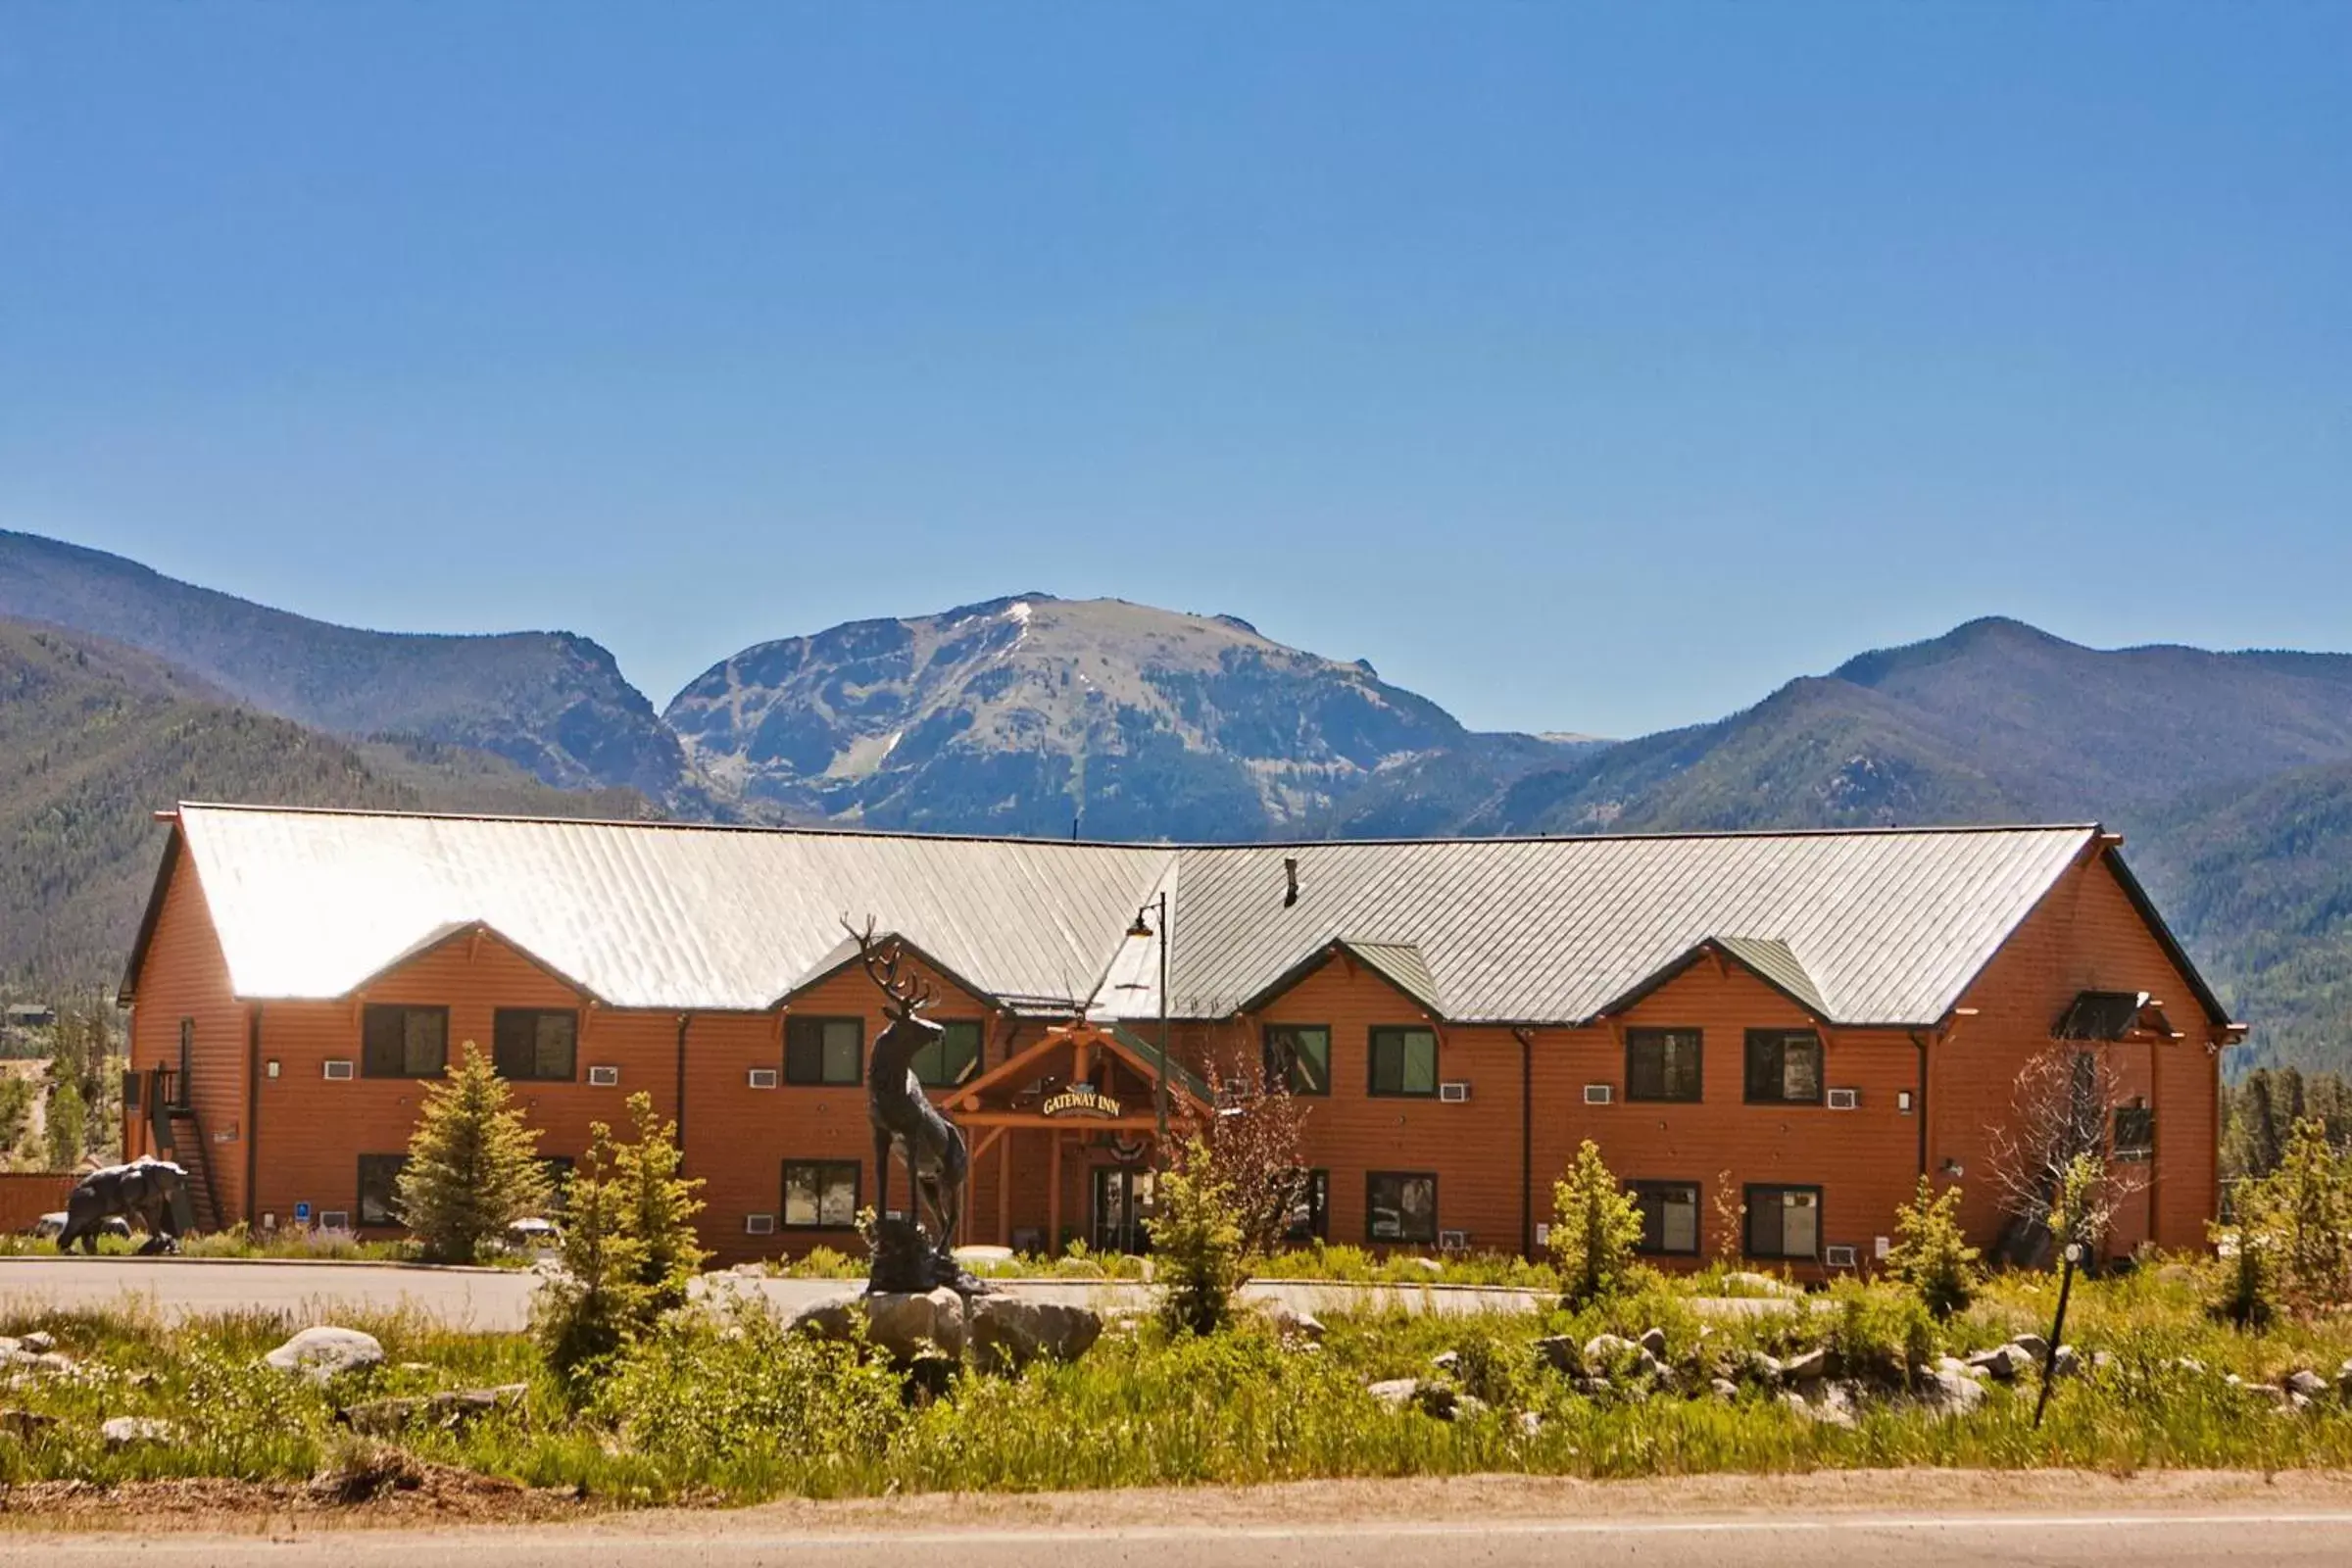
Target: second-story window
{"x": 1662, "y": 1063}
{"x": 1784, "y": 1067}
{"x": 951, "y": 1059}
{"x": 536, "y": 1043}
{"x": 1405, "y": 1061}
{"x": 403, "y": 1043}
{"x": 1299, "y": 1058}
{"x": 823, "y": 1051}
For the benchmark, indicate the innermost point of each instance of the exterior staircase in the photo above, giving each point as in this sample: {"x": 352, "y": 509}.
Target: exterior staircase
{"x": 179, "y": 1138}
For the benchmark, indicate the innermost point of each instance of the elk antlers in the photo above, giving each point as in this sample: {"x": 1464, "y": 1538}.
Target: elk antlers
{"x": 909, "y": 995}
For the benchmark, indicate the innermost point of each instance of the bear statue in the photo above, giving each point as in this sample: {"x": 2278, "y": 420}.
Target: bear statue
{"x": 151, "y": 1194}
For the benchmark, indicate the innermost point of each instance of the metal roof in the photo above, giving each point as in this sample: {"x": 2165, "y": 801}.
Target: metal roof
{"x": 1879, "y": 926}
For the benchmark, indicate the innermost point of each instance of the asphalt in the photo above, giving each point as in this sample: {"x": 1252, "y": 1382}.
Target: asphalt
{"x": 2154, "y": 1539}
{"x": 500, "y": 1299}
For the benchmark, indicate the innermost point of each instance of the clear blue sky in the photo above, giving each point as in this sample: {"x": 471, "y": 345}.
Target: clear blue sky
{"x": 1584, "y": 369}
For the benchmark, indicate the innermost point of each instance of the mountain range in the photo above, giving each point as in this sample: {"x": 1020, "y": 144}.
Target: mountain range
{"x": 121, "y": 689}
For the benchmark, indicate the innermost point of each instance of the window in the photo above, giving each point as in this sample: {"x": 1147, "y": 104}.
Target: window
{"x": 1401, "y": 1207}
{"x": 1405, "y": 1061}
{"x": 1662, "y": 1063}
{"x": 1299, "y": 1058}
{"x": 1784, "y": 1067}
{"x": 379, "y": 1189}
{"x": 404, "y": 1042}
{"x": 531, "y": 1043}
{"x": 1309, "y": 1218}
{"x": 947, "y": 1060}
{"x": 2135, "y": 1131}
{"x": 823, "y": 1051}
{"x": 1784, "y": 1221}
{"x": 821, "y": 1194}
{"x": 1669, "y": 1217}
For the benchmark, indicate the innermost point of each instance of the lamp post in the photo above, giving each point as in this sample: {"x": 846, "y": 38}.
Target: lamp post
{"x": 1159, "y": 1088}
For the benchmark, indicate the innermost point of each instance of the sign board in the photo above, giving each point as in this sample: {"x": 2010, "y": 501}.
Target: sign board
{"x": 1081, "y": 1099}
{"x": 301, "y": 1213}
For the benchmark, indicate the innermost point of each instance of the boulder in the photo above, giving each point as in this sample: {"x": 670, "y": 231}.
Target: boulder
{"x": 38, "y": 1342}
{"x": 51, "y": 1363}
{"x": 131, "y": 1431}
{"x": 1835, "y": 1405}
{"x": 1654, "y": 1340}
{"x": 1760, "y": 1284}
{"x": 1437, "y": 1401}
{"x": 1396, "y": 1392}
{"x": 384, "y": 1418}
{"x": 1594, "y": 1388}
{"x": 1006, "y": 1333}
{"x": 1608, "y": 1349}
{"x": 324, "y": 1352}
{"x": 1289, "y": 1321}
{"x": 837, "y": 1319}
{"x": 1427, "y": 1265}
{"x": 2002, "y": 1363}
{"x": 905, "y": 1324}
{"x": 2066, "y": 1364}
{"x": 1562, "y": 1353}
{"x": 1806, "y": 1366}
{"x": 2308, "y": 1383}
{"x": 1764, "y": 1368}
{"x": 2033, "y": 1345}
{"x": 1953, "y": 1393}
{"x": 1530, "y": 1422}
{"x": 1724, "y": 1389}
{"x": 1446, "y": 1362}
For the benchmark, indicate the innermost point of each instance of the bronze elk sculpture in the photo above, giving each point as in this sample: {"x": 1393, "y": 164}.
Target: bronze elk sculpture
{"x": 904, "y": 1120}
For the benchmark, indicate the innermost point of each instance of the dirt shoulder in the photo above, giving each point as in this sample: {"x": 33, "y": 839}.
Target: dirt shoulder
{"x": 450, "y": 1501}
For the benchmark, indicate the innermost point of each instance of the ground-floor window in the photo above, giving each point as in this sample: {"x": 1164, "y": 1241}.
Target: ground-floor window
{"x": 1784, "y": 1223}
{"x": 1669, "y": 1217}
{"x": 821, "y": 1194}
{"x": 379, "y": 1189}
{"x": 1401, "y": 1207}
{"x": 556, "y": 1169}
{"x": 2136, "y": 1131}
{"x": 1310, "y": 1209}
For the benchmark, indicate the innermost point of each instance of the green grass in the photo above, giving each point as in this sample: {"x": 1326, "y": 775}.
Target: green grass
{"x": 725, "y": 1406}
{"x": 304, "y": 1245}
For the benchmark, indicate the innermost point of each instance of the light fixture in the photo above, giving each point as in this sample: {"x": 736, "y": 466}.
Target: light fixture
{"x": 1141, "y": 926}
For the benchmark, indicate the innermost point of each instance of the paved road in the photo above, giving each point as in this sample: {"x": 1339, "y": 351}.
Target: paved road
{"x": 500, "y": 1299}
{"x": 720, "y": 1540}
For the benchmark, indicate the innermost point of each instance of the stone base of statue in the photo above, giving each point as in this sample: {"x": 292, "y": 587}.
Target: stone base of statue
{"x": 905, "y": 1262}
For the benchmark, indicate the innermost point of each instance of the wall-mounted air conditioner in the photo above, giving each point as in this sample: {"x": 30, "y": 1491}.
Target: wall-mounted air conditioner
{"x": 1598, "y": 1093}
{"x": 761, "y": 1077}
{"x": 335, "y": 1219}
{"x": 338, "y": 1069}
{"x": 1453, "y": 1241}
{"x": 1542, "y": 1234}
{"x": 1837, "y": 1257}
{"x": 603, "y": 1077}
{"x": 1453, "y": 1093}
{"x": 759, "y": 1224}
{"x": 1845, "y": 1098}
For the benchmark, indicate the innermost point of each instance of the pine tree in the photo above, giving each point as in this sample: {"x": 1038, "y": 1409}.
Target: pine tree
{"x": 2261, "y": 1122}
{"x": 473, "y": 1166}
{"x": 1930, "y": 1253}
{"x": 1595, "y": 1227}
{"x": 65, "y": 1127}
{"x": 1196, "y": 1236}
{"x": 597, "y": 1303}
{"x": 2310, "y": 1210}
{"x": 660, "y": 1207}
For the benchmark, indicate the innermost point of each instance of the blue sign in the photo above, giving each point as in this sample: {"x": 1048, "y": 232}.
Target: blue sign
{"x": 301, "y": 1213}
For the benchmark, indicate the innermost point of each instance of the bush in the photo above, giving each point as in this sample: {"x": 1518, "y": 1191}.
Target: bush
{"x": 1880, "y": 1334}
{"x": 658, "y": 1209}
{"x": 1595, "y": 1227}
{"x": 1196, "y": 1240}
{"x": 1932, "y": 1254}
{"x": 473, "y": 1166}
{"x": 585, "y": 1314}
{"x": 2307, "y": 1207}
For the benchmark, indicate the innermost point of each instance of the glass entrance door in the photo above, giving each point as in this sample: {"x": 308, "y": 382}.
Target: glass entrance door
{"x": 1122, "y": 1199}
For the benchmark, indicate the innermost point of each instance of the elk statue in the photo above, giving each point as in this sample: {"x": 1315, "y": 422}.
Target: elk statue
{"x": 905, "y": 1119}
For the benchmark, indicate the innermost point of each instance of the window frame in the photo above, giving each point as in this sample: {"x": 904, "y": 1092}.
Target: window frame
{"x": 1778, "y": 1040}
{"x": 979, "y": 1028}
{"x": 1372, "y": 1181}
{"x": 499, "y": 1015}
{"x": 373, "y": 1009}
{"x": 1372, "y": 1038}
{"x": 1636, "y": 1039}
{"x": 1748, "y": 1196}
{"x": 2142, "y": 1150}
{"x": 1288, "y": 1064}
{"x": 817, "y": 1021}
{"x": 1316, "y": 1179}
{"x": 1660, "y": 1189}
{"x": 784, "y": 1220}
{"x": 391, "y": 1193}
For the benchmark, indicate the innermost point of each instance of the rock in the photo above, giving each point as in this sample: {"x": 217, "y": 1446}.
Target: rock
{"x": 130, "y": 1431}
{"x": 9, "y": 1347}
{"x": 1562, "y": 1353}
{"x": 1806, "y": 1366}
{"x": 26, "y": 1425}
{"x": 384, "y": 1418}
{"x": 1724, "y": 1389}
{"x": 1427, "y": 1265}
{"x": 2308, "y": 1383}
{"x": 1833, "y": 1407}
{"x": 38, "y": 1342}
{"x": 2190, "y": 1365}
{"x": 1460, "y": 1406}
{"x": 1608, "y": 1349}
{"x": 2298, "y": 1401}
{"x": 2002, "y": 1363}
{"x": 1954, "y": 1393}
{"x": 2033, "y": 1345}
{"x": 1289, "y": 1321}
{"x": 1654, "y": 1340}
{"x": 1006, "y": 1333}
{"x": 51, "y": 1363}
{"x": 1530, "y": 1423}
{"x": 837, "y": 1319}
{"x": 2066, "y": 1364}
{"x": 322, "y": 1352}
{"x": 1395, "y": 1392}
{"x": 1765, "y": 1369}
{"x": 1760, "y": 1284}
{"x": 1446, "y": 1362}
{"x": 1594, "y": 1388}
{"x": 903, "y": 1324}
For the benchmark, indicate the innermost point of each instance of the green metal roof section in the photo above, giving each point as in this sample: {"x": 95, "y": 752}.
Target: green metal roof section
{"x": 1775, "y": 962}
{"x": 1405, "y": 966}
{"x": 1178, "y": 1072}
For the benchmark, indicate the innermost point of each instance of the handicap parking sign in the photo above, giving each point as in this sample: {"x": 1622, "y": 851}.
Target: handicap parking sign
{"x": 301, "y": 1213}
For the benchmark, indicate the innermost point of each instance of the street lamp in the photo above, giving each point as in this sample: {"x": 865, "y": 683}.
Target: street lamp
{"x": 1159, "y": 1090}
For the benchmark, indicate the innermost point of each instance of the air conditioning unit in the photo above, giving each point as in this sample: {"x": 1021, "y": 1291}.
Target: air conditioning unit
{"x": 1453, "y": 1241}
{"x": 338, "y": 1069}
{"x": 603, "y": 1077}
{"x": 1453, "y": 1093}
{"x": 1598, "y": 1093}
{"x": 761, "y": 1077}
{"x": 1837, "y": 1257}
{"x": 759, "y": 1224}
{"x": 1845, "y": 1098}
{"x": 1542, "y": 1234}
{"x": 335, "y": 1219}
